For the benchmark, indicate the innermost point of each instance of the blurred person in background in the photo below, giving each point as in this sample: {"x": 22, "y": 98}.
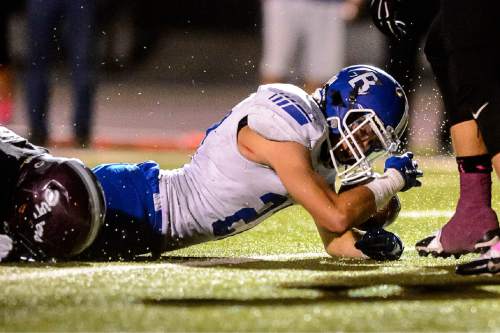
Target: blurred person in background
{"x": 313, "y": 29}
{"x": 465, "y": 59}
{"x": 6, "y": 72}
{"x": 49, "y": 21}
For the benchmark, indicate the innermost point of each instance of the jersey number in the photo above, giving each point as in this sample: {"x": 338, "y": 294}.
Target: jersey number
{"x": 247, "y": 215}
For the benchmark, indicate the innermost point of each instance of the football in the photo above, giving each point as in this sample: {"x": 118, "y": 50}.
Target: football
{"x": 383, "y": 217}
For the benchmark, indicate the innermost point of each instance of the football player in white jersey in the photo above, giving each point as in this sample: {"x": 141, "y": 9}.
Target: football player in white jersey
{"x": 278, "y": 147}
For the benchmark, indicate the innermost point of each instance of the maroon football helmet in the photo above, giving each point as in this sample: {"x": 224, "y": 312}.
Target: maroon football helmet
{"x": 58, "y": 208}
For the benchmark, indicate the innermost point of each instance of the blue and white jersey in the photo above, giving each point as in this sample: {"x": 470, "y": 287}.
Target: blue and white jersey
{"x": 221, "y": 193}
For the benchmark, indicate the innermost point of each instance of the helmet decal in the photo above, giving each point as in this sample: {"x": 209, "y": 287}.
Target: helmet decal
{"x": 367, "y": 112}
{"x": 363, "y": 82}
{"x": 38, "y": 237}
{"x": 51, "y": 197}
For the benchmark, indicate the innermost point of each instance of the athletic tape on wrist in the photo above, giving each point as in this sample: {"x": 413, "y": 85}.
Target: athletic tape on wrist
{"x": 386, "y": 186}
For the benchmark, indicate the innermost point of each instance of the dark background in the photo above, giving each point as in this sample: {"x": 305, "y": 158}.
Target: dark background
{"x": 184, "y": 40}
{"x": 171, "y": 67}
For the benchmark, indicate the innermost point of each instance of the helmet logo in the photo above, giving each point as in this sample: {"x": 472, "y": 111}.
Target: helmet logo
{"x": 51, "y": 199}
{"x": 39, "y": 232}
{"x": 363, "y": 82}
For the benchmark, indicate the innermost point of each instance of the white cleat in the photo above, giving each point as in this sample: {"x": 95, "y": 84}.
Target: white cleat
{"x": 432, "y": 245}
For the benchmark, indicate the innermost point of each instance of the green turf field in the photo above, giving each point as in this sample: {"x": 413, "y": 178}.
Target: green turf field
{"x": 272, "y": 278}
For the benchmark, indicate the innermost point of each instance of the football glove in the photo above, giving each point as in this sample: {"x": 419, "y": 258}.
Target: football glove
{"x": 381, "y": 245}
{"x": 5, "y": 246}
{"x": 384, "y": 14}
{"x": 407, "y": 167}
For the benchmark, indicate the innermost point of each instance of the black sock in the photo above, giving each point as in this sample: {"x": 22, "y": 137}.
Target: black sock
{"x": 475, "y": 164}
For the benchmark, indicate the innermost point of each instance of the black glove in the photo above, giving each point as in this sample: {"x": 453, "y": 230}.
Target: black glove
{"x": 384, "y": 14}
{"x": 381, "y": 245}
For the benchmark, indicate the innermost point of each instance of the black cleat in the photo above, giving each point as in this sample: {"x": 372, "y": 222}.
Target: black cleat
{"x": 489, "y": 239}
{"x": 422, "y": 246}
{"x": 488, "y": 262}
{"x": 432, "y": 246}
{"x": 479, "y": 266}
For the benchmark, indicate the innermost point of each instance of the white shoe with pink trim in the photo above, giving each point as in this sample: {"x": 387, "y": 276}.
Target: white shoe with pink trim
{"x": 487, "y": 263}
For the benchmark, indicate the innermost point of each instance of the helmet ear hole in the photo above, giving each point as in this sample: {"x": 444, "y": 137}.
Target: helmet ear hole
{"x": 337, "y": 99}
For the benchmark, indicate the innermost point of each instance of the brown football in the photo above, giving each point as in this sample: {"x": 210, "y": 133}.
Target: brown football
{"x": 383, "y": 217}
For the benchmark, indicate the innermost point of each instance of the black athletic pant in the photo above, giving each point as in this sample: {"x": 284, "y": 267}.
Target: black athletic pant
{"x": 464, "y": 52}
{"x": 402, "y": 55}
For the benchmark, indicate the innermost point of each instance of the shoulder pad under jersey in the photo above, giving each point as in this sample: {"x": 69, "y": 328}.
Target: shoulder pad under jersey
{"x": 284, "y": 112}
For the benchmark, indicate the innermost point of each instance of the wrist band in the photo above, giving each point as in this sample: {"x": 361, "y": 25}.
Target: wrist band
{"x": 386, "y": 186}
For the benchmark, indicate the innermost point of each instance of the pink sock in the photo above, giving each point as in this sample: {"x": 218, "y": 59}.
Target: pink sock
{"x": 473, "y": 216}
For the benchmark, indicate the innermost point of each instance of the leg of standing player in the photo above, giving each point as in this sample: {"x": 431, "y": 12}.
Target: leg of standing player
{"x": 496, "y": 164}
{"x": 466, "y": 68}
{"x": 281, "y": 30}
{"x": 325, "y": 17}
{"x": 43, "y": 20}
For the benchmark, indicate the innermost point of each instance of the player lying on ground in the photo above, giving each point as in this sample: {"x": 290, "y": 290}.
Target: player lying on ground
{"x": 277, "y": 147}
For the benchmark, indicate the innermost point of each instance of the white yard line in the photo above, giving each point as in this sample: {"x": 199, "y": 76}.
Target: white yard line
{"x": 120, "y": 268}
{"x": 417, "y": 214}
{"x": 54, "y": 272}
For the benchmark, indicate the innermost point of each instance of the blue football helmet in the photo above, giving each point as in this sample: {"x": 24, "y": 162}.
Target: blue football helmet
{"x": 367, "y": 112}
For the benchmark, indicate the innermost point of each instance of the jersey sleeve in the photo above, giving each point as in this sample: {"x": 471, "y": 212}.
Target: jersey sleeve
{"x": 16, "y": 147}
{"x": 14, "y": 150}
{"x": 283, "y": 112}
{"x": 274, "y": 126}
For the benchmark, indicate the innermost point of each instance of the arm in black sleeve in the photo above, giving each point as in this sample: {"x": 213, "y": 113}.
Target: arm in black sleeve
{"x": 384, "y": 17}
{"x": 14, "y": 151}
